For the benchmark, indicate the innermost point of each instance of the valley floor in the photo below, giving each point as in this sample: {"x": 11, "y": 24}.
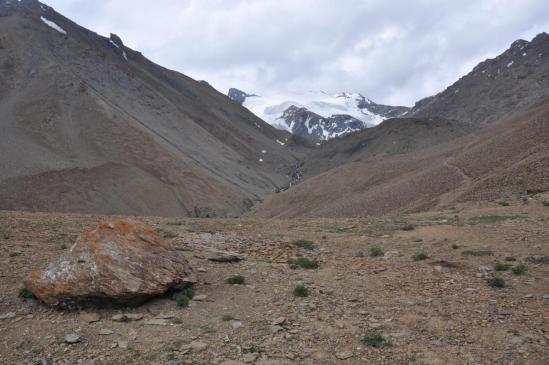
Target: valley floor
{"x": 440, "y": 310}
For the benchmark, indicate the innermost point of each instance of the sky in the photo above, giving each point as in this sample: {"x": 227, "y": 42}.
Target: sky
{"x": 394, "y": 52}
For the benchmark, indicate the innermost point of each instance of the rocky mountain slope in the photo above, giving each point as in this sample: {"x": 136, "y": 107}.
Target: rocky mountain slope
{"x": 90, "y": 125}
{"x": 317, "y": 115}
{"x": 509, "y": 160}
{"x": 516, "y": 79}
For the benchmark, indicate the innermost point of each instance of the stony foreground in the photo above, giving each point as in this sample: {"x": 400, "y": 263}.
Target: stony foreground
{"x": 440, "y": 310}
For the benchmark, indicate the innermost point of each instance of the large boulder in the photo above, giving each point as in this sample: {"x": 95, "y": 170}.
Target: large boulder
{"x": 116, "y": 263}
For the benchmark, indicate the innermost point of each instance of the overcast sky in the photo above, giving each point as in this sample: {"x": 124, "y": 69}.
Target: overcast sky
{"x": 393, "y": 52}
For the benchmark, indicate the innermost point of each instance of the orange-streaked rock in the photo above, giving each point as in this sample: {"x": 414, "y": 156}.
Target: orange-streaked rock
{"x": 116, "y": 263}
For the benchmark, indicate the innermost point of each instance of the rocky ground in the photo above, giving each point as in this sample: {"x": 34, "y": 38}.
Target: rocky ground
{"x": 440, "y": 310}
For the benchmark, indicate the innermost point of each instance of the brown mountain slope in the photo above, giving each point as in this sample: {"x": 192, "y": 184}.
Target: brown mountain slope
{"x": 89, "y": 125}
{"x": 516, "y": 79}
{"x": 509, "y": 158}
{"x": 391, "y": 137}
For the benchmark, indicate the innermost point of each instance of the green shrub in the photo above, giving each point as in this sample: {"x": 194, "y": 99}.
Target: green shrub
{"x": 546, "y": 203}
{"x": 6, "y": 234}
{"x": 408, "y": 227}
{"x": 182, "y": 301}
{"x": 306, "y": 244}
{"x": 496, "y": 282}
{"x": 360, "y": 254}
{"x": 376, "y": 251}
{"x": 237, "y": 279}
{"x": 519, "y": 269}
{"x": 301, "y": 291}
{"x": 26, "y": 294}
{"x": 510, "y": 258}
{"x": 503, "y": 204}
{"x": 227, "y": 318}
{"x": 376, "y": 340}
{"x": 169, "y": 234}
{"x": 188, "y": 292}
{"x": 455, "y": 247}
{"x": 420, "y": 256}
{"x": 15, "y": 254}
{"x": 538, "y": 259}
{"x": 303, "y": 262}
{"x": 502, "y": 267}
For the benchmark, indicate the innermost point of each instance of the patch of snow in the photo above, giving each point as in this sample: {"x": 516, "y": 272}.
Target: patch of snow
{"x": 114, "y": 43}
{"x": 125, "y": 55}
{"x": 524, "y": 54}
{"x": 51, "y": 24}
{"x": 260, "y": 160}
{"x": 510, "y": 64}
{"x": 280, "y": 143}
{"x": 263, "y": 151}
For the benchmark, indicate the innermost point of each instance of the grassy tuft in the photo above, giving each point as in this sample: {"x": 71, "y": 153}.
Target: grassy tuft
{"x": 306, "y": 244}
{"x": 510, "y": 258}
{"x": 376, "y": 340}
{"x": 182, "y": 300}
{"x": 26, "y": 294}
{"x": 538, "y": 259}
{"x": 408, "y": 227}
{"x": 227, "y": 318}
{"x": 420, "y": 256}
{"x": 237, "y": 279}
{"x": 376, "y": 251}
{"x": 455, "y": 247}
{"x": 546, "y": 203}
{"x": 496, "y": 282}
{"x": 301, "y": 291}
{"x": 303, "y": 262}
{"x": 519, "y": 269}
{"x": 502, "y": 267}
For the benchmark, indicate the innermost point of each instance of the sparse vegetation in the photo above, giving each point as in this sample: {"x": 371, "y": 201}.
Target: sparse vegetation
{"x": 510, "y": 258}
{"x": 477, "y": 253}
{"x": 304, "y": 263}
{"x": 496, "y": 282}
{"x": 182, "y": 300}
{"x": 546, "y": 203}
{"x": 420, "y": 256}
{"x": 63, "y": 246}
{"x": 6, "y": 234}
{"x": 169, "y": 234}
{"x": 227, "y": 318}
{"x": 455, "y": 247}
{"x": 501, "y": 266}
{"x": 418, "y": 240}
{"x": 519, "y": 269}
{"x": 15, "y": 254}
{"x": 374, "y": 339}
{"x": 188, "y": 292}
{"x": 301, "y": 291}
{"x": 360, "y": 254}
{"x": 124, "y": 318}
{"x": 503, "y": 203}
{"x": 236, "y": 280}
{"x": 376, "y": 251}
{"x": 538, "y": 260}
{"x": 408, "y": 227}
{"x": 305, "y": 244}
{"x": 492, "y": 218}
{"x": 26, "y": 294}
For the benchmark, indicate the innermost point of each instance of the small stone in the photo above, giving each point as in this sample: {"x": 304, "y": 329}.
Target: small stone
{"x": 8, "y": 315}
{"x": 201, "y": 269}
{"x": 157, "y": 322}
{"x": 546, "y": 297}
{"x": 122, "y": 344}
{"x": 200, "y": 298}
{"x": 363, "y": 312}
{"x": 236, "y": 324}
{"x": 342, "y": 355}
{"x": 276, "y": 329}
{"x": 197, "y": 346}
{"x": 90, "y": 317}
{"x": 105, "y": 332}
{"x": 515, "y": 340}
{"x": 279, "y": 321}
{"x": 21, "y": 343}
{"x": 250, "y": 357}
{"x": 232, "y": 362}
{"x": 72, "y": 338}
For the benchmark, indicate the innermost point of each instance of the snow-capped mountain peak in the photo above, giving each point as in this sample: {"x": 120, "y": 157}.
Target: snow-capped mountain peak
{"x": 316, "y": 114}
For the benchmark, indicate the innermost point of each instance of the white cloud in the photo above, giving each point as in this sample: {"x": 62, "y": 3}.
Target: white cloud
{"x": 394, "y": 52}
